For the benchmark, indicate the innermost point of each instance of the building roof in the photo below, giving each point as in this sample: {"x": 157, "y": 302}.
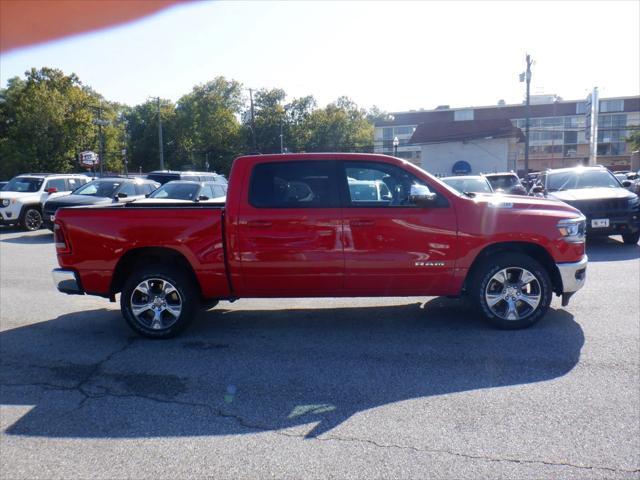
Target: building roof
{"x": 465, "y": 130}
{"x": 560, "y": 108}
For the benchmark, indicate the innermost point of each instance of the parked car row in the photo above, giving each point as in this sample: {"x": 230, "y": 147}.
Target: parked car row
{"x": 31, "y": 200}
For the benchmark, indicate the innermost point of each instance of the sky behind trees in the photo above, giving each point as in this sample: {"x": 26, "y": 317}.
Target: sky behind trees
{"x": 398, "y": 56}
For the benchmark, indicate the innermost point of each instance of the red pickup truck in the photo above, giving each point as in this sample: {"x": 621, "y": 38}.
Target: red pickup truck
{"x": 323, "y": 225}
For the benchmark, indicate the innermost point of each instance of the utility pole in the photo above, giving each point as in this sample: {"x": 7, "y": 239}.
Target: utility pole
{"x": 281, "y": 139}
{"x": 100, "y": 122}
{"x": 253, "y": 122}
{"x": 160, "y": 142}
{"x": 527, "y": 78}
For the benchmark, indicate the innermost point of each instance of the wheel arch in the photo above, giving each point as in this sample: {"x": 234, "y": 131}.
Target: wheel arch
{"x": 533, "y": 250}
{"x": 138, "y": 257}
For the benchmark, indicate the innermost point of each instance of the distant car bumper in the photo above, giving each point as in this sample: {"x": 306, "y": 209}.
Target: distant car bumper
{"x": 573, "y": 276}
{"x": 617, "y": 224}
{"x": 66, "y": 281}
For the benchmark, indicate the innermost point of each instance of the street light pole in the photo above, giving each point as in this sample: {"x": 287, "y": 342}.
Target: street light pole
{"x": 160, "y": 142}
{"x": 527, "y": 77}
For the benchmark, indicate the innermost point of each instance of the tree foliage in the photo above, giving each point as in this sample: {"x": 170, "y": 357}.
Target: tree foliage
{"x": 47, "y": 118}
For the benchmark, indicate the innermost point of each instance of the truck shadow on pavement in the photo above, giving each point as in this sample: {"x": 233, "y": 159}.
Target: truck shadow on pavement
{"x": 30, "y": 238}
{"x": 246, "y": 371}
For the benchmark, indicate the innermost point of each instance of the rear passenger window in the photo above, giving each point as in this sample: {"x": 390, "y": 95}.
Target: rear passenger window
{"x": 57, "y": 183}
{"x": 73, "y": 183}
{"x": 307, "y": 184}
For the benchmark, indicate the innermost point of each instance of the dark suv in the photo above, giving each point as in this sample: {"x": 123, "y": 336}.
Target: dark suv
{"x": 610, "y": 208}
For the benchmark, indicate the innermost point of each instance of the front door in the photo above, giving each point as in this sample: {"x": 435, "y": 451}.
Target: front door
{"x": 391, "y": 246}
{"x": 290, "y": 230}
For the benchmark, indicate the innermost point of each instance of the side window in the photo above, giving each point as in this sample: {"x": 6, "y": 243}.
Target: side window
{"x": 141, "y": 189}
{"x": 73, "y": 183}
{"x": 128, "y": 188}
{"x": 57, "y": 183}
{"x": 219, "y": 191}
{"x": 302, "y": 184}
{"x": 207, "y": 191}
{"x": 378, "y": 185}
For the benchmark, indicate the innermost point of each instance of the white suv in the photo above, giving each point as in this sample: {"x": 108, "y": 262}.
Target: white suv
{"x": 22, "y": 198}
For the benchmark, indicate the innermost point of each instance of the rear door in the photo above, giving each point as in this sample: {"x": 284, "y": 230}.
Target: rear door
{"x": 391, "y": 246}
{"x": 289, "y": 230}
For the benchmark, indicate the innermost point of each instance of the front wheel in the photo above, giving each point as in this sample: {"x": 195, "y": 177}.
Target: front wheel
{"x": 513, "y": 291}
{"x": 158, "y": 302}
{"x": 32, "y": 219}
{"x": 631, "y": 238}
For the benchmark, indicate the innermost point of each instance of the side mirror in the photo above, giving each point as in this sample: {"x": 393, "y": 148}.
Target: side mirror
{"x": 120, "y": 195}
{"x": 202, "y": 198}
{"x": 147, "y": 195}
{"x": 537, "y": 189}
{"x": 627, "y": 183}
{"x": 51, "y": 190}
{"x": 421, "y": 196}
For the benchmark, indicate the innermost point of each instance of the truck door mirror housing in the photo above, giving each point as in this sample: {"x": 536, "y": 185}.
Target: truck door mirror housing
{"x": 202, "y": 198}
{"x": 51, "y": 190}
{"x": 121, "y": 195}
{"x": 627, "y": 183}
{"x": 421, "y": 196}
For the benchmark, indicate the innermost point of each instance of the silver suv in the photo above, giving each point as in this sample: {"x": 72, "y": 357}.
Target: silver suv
{"x": 22, "y": 198}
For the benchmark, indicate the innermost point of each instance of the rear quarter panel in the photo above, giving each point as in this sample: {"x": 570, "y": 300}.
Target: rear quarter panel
{"x": 100, "y": 236}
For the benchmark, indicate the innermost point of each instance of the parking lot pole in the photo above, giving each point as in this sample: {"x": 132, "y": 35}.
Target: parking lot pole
{"x": 527, "y": 115}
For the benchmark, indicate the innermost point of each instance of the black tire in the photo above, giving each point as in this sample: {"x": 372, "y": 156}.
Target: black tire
{"x": 31, "y": 219}
{"x": 185, "y": 295}
{"x": 512, "y": 264}
{"x": 631, "y": 238}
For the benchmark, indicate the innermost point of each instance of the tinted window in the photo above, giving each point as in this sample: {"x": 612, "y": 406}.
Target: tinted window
{"x": 128, "y": 188}
{"x": 177, "y": 191}
{"x": 73, "y": 183}
{"x": 99, "y": 188}
{"x": 378, "y": 184}
{"x": 468, "y": 184}
{"x": 293, "y": 184}
{"x": 24, "y": 184}
{"x": 219, "y": 190}
{"x": 58, "y": 183}
{"x": 503, "y": 181}
{"x": 581, "y": 179}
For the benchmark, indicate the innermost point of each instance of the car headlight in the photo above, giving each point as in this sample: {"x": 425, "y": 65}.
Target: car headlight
{"x": 634, "y": 202}
{"x": 573, "y": 229}
{"x": 5, "y": 202}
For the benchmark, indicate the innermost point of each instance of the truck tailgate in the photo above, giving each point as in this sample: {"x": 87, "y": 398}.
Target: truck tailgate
{"x": 99, "y": 237}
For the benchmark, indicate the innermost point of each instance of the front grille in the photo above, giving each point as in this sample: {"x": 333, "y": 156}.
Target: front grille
{"x": 612, "y": 206}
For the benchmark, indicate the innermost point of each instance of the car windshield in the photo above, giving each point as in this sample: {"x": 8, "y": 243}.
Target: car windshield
{"x": 177, "y": 191}
{"x": 99, "y": 188}
{"x": 503, "y": 181}
{"x": 24, "y": 184}
{"x": 475, "y": 185}
{"x": 581, "y": 179}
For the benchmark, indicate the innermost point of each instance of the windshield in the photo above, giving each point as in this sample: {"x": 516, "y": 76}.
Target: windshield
{"x": 475, "y": 185}
{"x": 581, "y": 179}
{"x": 503, "y": 181}
{"x": 24, "y": 184}
{"x": 177, "y": 191}
{"x": 99, "y": 188}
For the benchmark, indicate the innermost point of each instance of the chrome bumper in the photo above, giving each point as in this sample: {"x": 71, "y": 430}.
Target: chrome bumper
{"x": 66, "y": 281}
{"x": 573, "y": 276}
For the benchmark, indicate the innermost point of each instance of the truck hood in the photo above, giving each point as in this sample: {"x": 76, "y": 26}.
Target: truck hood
{"x": 600, "y": 193}
{"x": 19, "y": 195}
{"x": 515, "y": 203}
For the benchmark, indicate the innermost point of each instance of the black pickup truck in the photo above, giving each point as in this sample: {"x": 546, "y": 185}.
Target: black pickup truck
{"x": 610, "y": 208}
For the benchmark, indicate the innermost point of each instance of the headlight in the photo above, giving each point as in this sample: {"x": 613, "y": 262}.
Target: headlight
{"x": 634, "y": 202}
{"x": 5, "y": 202}
{"x": 572, "y": 229}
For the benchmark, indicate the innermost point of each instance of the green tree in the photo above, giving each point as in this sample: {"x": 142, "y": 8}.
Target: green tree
{"x": 634, "y": 140}
{"x": 47, "y": 120}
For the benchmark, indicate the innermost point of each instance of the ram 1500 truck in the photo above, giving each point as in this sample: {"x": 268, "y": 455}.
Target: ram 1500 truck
{"x": 294, "y": 225}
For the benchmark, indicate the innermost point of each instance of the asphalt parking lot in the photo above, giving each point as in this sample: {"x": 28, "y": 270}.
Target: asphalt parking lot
{"x": 318, "y": 388}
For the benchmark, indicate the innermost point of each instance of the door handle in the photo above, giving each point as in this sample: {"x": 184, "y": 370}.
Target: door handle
{"x": 362, "y": 222}
{"x": 258, "y": 223}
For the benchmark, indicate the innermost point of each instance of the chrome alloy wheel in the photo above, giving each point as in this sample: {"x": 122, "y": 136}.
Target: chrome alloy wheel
{"x": 33, "y": 220}
{"x": 156, "y": 304}
{"x": 513, "y": 293}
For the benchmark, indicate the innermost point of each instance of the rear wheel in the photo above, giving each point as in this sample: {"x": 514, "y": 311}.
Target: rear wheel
{"x": 631, "y": 238}
{"x": 158, "y": 301}
{"x": 513, "y": 291}
{"x": 31, "y": 219}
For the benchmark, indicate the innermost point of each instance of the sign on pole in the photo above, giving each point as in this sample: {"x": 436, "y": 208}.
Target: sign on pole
{"x": 89, "y": 159}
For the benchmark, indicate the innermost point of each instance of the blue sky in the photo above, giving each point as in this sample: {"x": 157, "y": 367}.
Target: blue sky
{"x": 397, "y": 55}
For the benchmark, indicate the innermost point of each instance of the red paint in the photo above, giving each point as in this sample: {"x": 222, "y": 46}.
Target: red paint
{"x": 298, "y": 252}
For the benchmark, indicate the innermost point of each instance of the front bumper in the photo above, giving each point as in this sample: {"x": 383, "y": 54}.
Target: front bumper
{"x": 573, "y": 276}
{"x": 618, "y": 224}
{"x": 66, "y": 281}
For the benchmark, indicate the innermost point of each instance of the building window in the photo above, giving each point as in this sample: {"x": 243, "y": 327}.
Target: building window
{"x": 581, "y": 108}
{"x": 403, "y": 130}
{"x": 611, "y": 106}
{"x": 387, "y": 133}
{"x": 461, "y": 115}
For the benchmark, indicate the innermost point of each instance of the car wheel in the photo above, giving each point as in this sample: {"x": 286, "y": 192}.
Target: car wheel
{"x": 32, "y": 219}
{"x": 158, "y": 302}
{"x": 512, "y": 291}
{"x": 631, "y": 238}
